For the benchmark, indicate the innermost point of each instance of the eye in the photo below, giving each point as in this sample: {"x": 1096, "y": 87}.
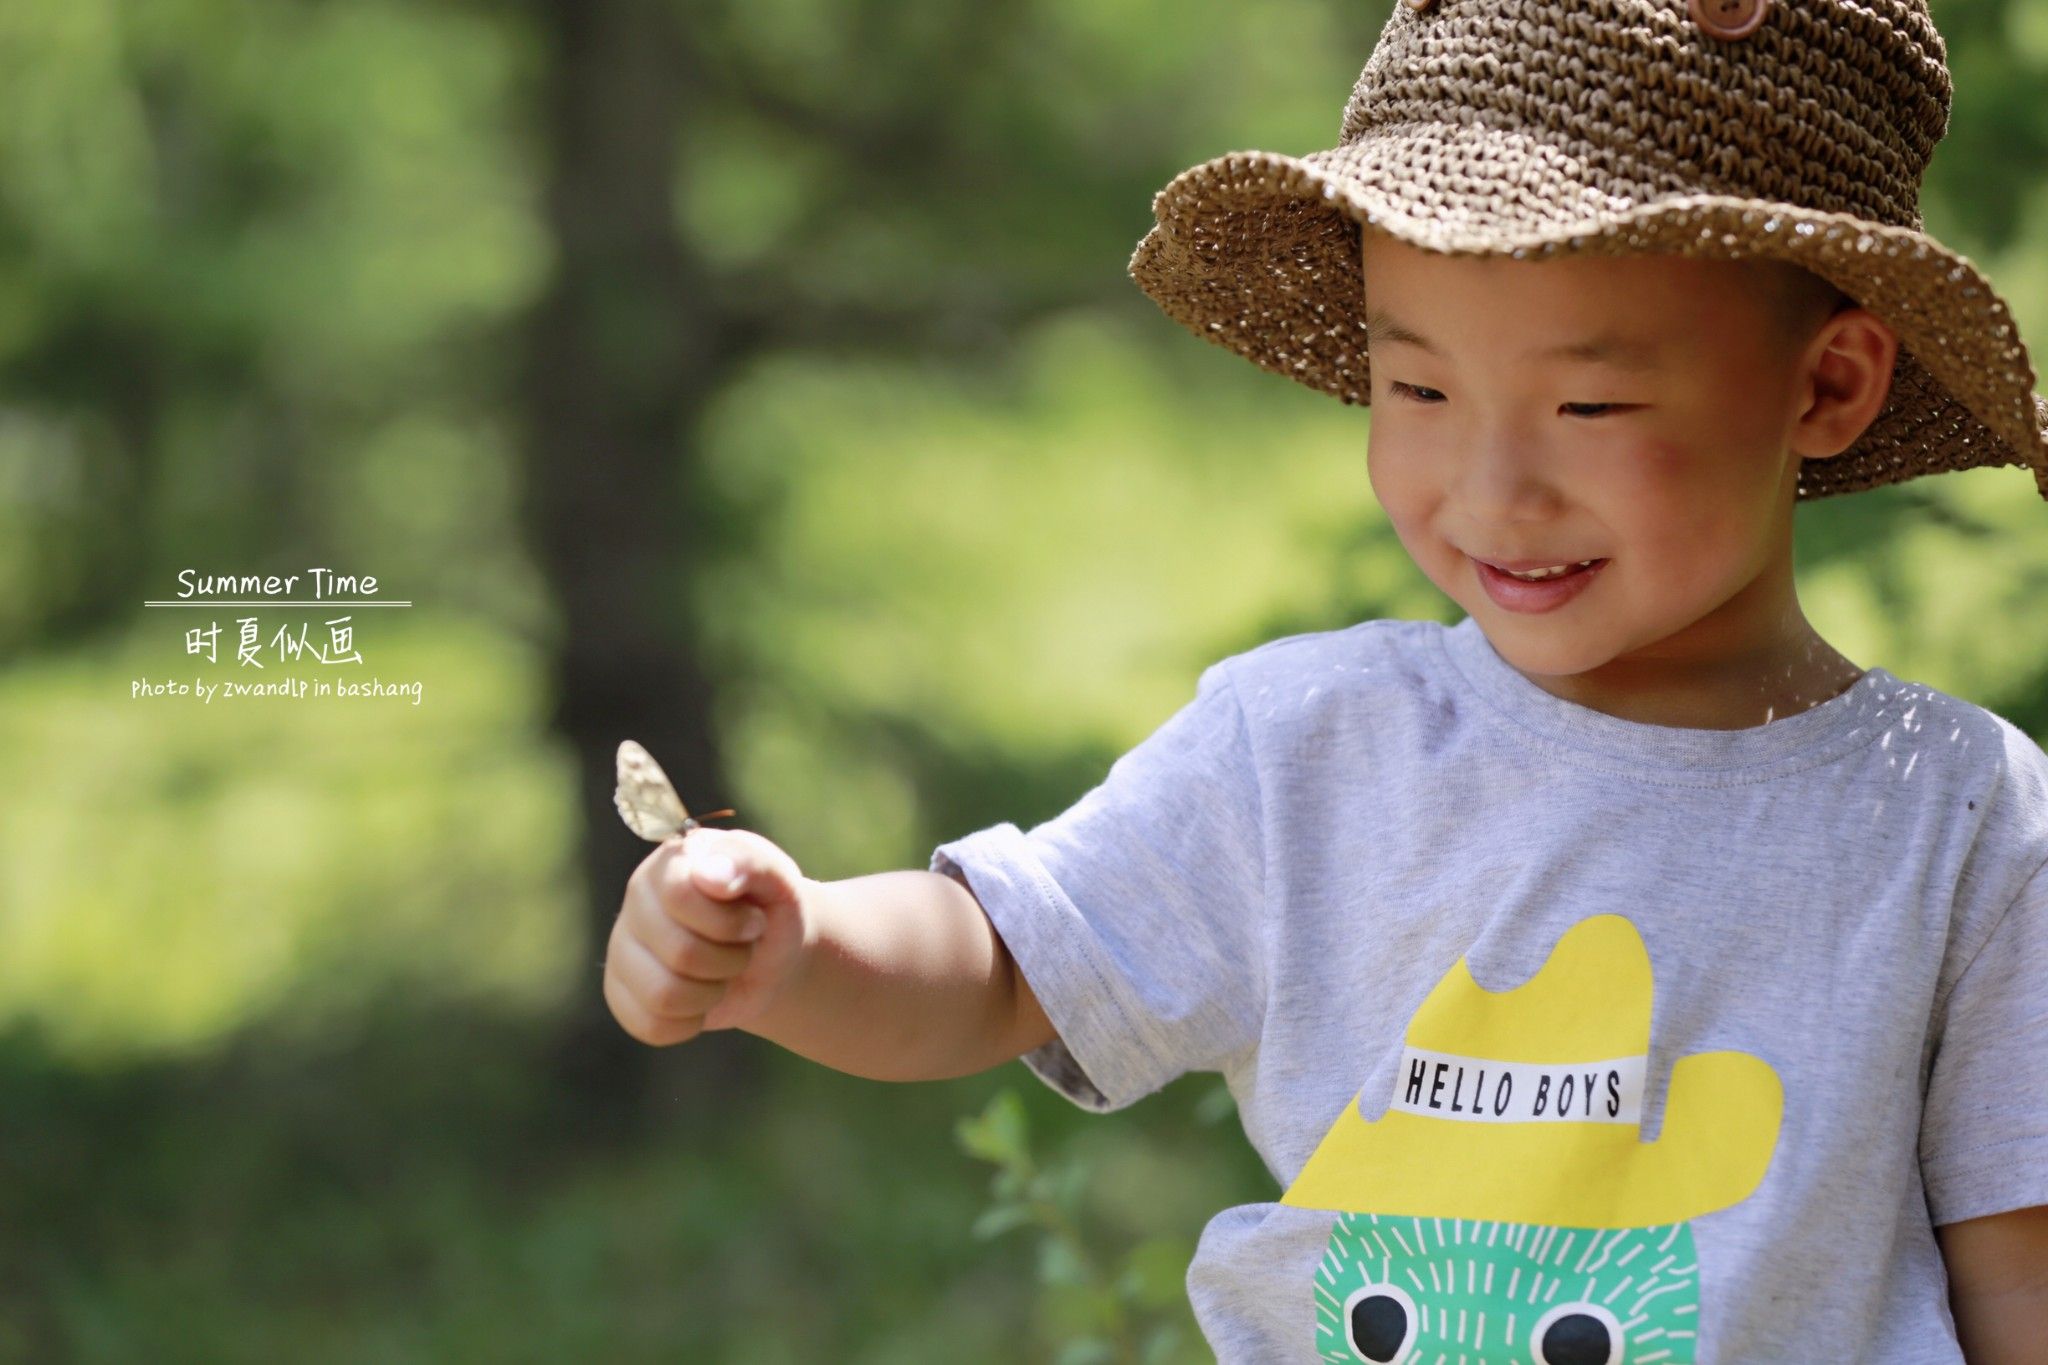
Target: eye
{"x": 1415, "y": 393}
{"x": 1576, "y": 1334}
{"x": 1380, "y": 1322}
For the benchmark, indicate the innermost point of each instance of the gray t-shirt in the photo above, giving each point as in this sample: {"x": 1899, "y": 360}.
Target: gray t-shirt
{"x": 1555, "y": 1028}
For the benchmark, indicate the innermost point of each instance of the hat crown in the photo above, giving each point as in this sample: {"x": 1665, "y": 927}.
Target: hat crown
{"x": 1834, "y": 105}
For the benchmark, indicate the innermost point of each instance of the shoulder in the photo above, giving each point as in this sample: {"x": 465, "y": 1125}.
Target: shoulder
{"x": 2016, "y": 817}
{"x": 1989, "y": 780}
{"x": 1980, "y": 746}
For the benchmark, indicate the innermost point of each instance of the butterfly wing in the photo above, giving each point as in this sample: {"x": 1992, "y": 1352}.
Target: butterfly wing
{"x": 647, "y": 801}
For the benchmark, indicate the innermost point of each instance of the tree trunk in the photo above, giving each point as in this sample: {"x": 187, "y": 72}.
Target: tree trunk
{"x": 622, "y": 355}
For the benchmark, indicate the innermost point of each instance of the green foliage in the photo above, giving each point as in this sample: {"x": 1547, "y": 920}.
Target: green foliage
{"x": 401, "y": 1192}
{"x": 1114, "y": 1307}
{"x": 245, "y": 250}
{"x": 1102, "y": 1308}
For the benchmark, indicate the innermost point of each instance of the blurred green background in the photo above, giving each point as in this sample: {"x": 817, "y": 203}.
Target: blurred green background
{"x": 759, "y": 381}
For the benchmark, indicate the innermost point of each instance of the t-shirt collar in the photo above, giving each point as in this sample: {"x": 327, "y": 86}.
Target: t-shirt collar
{"x": 1842, "y": 722}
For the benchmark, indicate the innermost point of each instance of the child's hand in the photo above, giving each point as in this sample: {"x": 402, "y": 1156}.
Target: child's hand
{"x": 686, "y": 954}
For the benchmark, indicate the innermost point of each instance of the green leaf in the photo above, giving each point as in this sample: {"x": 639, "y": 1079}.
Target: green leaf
{"x": 1069, "y": 1182}
{"x": 1058, "y": 1263}
{"x": 996, "y": 1134}
{"x": 999, "y": 1220}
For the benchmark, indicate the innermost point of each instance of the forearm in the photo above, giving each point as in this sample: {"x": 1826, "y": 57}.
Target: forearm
{"x": 902, "y": 978}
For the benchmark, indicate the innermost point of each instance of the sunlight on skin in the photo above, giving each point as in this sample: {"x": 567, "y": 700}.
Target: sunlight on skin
{"x": 1685, "y": 486}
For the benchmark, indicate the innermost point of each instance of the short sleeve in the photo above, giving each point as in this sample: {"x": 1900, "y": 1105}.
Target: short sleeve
{"x": 1135, "y": 914}
{"x": 1984, "y": 1130}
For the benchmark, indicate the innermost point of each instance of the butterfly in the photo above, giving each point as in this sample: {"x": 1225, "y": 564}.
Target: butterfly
{"x": 647, "y": 801}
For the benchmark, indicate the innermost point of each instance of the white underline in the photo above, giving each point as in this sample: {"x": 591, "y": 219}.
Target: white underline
{"x": 276, "y": 603}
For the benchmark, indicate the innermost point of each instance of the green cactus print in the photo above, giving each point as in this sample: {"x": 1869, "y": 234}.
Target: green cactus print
{"x": 1454, "y": 1291}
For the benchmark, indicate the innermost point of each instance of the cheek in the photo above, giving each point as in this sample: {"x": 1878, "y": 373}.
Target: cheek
{"x": 1657, "y": 492}
{"x": 1688, "y": 509}
{"x": 1399, "y": 476}
{"x": 1405, "y": 483}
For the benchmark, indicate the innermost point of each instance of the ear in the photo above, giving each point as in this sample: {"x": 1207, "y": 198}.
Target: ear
{"x": 1845, "y": 376}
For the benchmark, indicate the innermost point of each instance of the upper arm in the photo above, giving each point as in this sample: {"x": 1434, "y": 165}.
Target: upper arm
{"x": 1135, "y": 917}
{"x": 1026, "y": 1027}
{"x": 1998, "y": 1253}
{"x": 1998, "y": 1284}
{"x": 1029, "y": 1028}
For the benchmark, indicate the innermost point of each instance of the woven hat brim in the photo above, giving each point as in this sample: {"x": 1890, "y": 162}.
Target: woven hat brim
{"x": 1259, "y": 252}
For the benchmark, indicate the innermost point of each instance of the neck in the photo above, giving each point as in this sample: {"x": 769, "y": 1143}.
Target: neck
{"x": 1750, "y": 661}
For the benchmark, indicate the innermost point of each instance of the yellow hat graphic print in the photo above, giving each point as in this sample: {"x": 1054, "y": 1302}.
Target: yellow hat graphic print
{"x": 1525, "y": 1105}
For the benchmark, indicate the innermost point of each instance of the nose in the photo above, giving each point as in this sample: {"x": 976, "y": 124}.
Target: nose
{"x": 1502, "y": 479}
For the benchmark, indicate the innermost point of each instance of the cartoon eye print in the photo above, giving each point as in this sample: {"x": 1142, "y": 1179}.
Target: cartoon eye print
{"x": 1576, "y": 1334}
{"x": 1413, "y": 1289}
{"x": 1380, "y": 1323}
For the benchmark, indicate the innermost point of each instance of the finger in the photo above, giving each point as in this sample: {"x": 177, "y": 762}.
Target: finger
{"x": 638, "y": 1023}
{"x": 676, "y": 890}
{"x": 729, "y": 863}
{"x": 621, "y": 966}
{"x": 659, "y": 991}
{"x": 717, "y": 866}
{"x": 684, "y": 951}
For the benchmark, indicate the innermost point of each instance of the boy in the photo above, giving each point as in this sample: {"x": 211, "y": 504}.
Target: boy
{"x": 1621, "y": 973}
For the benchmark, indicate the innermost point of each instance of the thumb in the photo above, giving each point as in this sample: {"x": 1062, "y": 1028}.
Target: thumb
{"x": 735, "y": 864}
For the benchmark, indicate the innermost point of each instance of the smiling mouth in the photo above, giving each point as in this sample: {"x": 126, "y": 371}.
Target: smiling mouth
{"x": 1522, "y": 569}
{"x": 1547, "y": 593}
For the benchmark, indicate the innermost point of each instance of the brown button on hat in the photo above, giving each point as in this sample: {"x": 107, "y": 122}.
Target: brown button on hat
{"x": 1728, "y": 18}
{"x": 1533, "y": 128}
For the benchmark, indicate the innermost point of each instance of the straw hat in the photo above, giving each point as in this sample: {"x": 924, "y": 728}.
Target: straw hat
{"x": 1796, "y": 130}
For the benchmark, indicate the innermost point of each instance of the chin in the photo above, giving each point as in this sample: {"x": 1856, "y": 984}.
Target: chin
{"x": 1540, "y": 644}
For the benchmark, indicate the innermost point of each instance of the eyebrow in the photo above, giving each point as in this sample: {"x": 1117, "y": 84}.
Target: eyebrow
{"x": 1612, "y": 348}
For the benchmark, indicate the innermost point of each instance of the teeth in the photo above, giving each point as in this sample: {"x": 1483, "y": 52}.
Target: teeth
{"x": 1553, "y": 571}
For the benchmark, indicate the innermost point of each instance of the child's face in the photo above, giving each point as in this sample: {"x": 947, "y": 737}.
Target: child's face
{"x": 1684, "y": 484}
